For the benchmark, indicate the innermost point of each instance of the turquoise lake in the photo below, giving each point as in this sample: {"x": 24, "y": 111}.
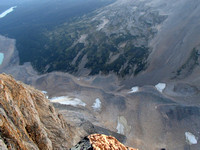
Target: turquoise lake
{"x": 1, "y": 58}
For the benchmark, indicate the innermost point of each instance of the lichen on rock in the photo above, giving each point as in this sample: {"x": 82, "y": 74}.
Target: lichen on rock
{"x": 100, "y": 142}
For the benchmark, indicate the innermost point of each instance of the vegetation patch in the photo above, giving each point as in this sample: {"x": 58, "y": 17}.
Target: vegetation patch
{"x": 187, "y": 68}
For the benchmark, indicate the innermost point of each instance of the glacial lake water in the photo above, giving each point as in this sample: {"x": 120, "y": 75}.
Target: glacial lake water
{"x": 1, "y": 58}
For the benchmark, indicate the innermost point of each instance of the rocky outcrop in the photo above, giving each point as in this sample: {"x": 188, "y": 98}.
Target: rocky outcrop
{"x": 100, "y": 142}
{"x": 28, "y": 120}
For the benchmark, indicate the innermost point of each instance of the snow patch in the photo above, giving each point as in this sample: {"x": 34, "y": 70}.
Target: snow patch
{"x": 102, "y": 25}
{"x": 82, "y": 38}
{"x": 190, "y": 138}
{"x": 160, "y": 87}
{"x": 122, "y": 125}
{"x": 134, "y": 89}
{"x": 45, "y": 93}
{"x": 1, "y": 58}
{"x": 120, "y": 128}
{"x": 68, "y": 101}
{"x": 7, "y": 11}
{"x": 97, "y": 104}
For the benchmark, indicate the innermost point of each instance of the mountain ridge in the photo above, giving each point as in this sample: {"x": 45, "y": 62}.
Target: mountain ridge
{"x": 28, "y": 120}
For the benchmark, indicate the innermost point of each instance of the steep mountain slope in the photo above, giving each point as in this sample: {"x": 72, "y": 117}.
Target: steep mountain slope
{"x": 148, "y": 117}
{"x": 174, "y": 44}
{"x": 112, "y": 39}
{"x": 144, "y": 39}
{"x": 125, "y": 37}
{"x": 28, "y": 120}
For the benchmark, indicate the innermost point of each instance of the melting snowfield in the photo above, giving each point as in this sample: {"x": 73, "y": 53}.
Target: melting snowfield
{"x": 65, "y": 100}
{"x": 190, "y": 138}
{"x": 97, "y": 105}
{"x": 134, "y": 89}
{"x": 122, "y": 125}
{"x": 7, "y": 11}
{"x": 160, "y": 87}
{"x": 1, "y": 58}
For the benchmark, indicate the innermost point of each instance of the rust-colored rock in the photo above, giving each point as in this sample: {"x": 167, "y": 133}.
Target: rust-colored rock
{"x": 28, "y": 120}
{"x": 103, "y": 142}
{"x": 100, "y": 142}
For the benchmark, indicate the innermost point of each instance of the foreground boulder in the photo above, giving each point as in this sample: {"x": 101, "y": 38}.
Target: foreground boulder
{"x": 28, "y": 120}
{"x": 100, "y": 142}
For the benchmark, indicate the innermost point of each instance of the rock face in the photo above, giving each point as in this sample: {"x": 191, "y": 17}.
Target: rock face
{"x": 100, "y": 142}
{"x": 28, "y": 120}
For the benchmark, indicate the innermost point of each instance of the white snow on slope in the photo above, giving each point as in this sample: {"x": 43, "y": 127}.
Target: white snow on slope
{"x": 190, "y": 138}
{"x": 120, "y": 128}
{"x": 134, "y": 89}
{"x": 68, "y": 101}
{"x": 97, "y": 104}
{"x": 1, "y": 58}
{"x": 160, "y": 87}
{"x": 45, "y": 93}
{"x": 82, "y": 38}
{"x": 102, "y": 25}
{"x": 7, "y": 11}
